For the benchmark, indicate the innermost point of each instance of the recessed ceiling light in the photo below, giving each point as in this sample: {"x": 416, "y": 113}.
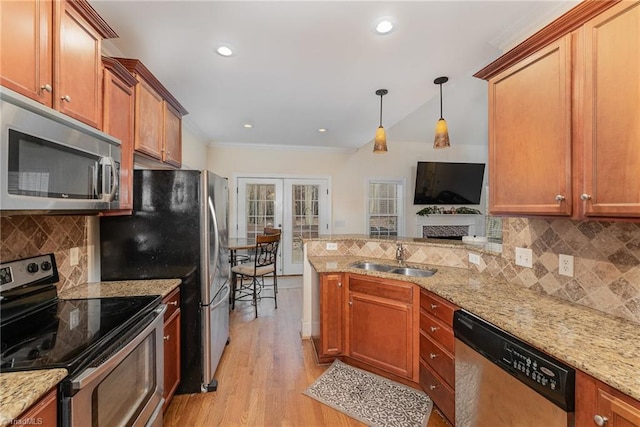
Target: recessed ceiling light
{"x": 248, "y": 125}
{"x": 384, "y": 25}
{"x": 224, "y": 50}
{"x": 322, "y": 130}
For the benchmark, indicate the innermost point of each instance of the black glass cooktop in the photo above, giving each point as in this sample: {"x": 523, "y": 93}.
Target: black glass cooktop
{"x": 67, "y": 333}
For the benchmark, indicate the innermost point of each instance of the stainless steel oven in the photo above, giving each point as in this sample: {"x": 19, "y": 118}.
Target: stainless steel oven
{"x": 51, "y": 162}
{"x": 123, "y": 388}
{"x": 112, "y": 348}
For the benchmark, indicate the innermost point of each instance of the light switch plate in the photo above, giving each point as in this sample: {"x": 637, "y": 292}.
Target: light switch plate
{"x": 524, "y": 257}
{"x": 474, "y": 258}
{"x": 74, "y": 255}
{"x": 332, "y": 246}
{"x": 565, "y": 265}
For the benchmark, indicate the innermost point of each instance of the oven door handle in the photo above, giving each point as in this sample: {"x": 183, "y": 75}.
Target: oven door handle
{"x": 95, "y": 373}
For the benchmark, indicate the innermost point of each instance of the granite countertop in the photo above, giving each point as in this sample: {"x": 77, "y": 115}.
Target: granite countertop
{"x": 601, "y": 345}
{"x": 124, "y": 288}
{"x": 20, "y": 390}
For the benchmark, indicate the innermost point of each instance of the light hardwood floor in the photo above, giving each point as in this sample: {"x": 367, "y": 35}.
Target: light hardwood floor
{"x": 262, "y": 374}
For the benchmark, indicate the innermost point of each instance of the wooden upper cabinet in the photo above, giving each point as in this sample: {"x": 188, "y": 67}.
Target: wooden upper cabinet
{"x": 564, "y": 117}
{"x": 51, "y": 53}
{"x": 530, "y": 134}
{"x": 118, "y": 109}
{"x": 612, "y": 113}
{"x": 158, "y": 117}
{"x": 172, "y": 147}
{"x": 148, "y": 120}
{"x": 26, "y": 37}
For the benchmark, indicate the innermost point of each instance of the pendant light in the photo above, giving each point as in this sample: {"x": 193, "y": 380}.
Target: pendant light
{"x": 442, "y": 132}
{"x": 380, "y": 142}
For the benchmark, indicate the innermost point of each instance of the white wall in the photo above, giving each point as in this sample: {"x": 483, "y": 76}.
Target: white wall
{"x": 194, "y": 151}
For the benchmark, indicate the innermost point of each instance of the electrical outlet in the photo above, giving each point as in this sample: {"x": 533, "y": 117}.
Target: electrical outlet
{"x": 474, "y": 259}
{"x": 332, "y": 246}
{"x": 524, "y": 257}
{"x": 565, "y": 265}
{"x": 74, "y": 256}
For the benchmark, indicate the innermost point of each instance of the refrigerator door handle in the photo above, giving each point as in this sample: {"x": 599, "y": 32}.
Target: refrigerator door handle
{"x": 216, "y": 241}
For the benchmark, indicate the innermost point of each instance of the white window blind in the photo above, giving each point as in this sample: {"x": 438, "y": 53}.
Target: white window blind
{"x": 385, "y": 212}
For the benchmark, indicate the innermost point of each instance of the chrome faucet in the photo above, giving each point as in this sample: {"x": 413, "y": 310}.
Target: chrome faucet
{"x": 399, "y": 253}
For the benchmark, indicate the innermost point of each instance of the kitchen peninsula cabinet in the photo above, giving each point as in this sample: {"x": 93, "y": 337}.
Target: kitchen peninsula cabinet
{"x": 157, "y": 117}
{"x": 563, "y": 117}
{"x": 332, "y": 322}
{"x": 118, "y": 108}
{"x": 382, "y": 324}
{"x": 437, "y": 352}
{"x": 51, "y": 53}
{"x": 171, "y": 346}
{"x": 42, "y": 413}
{"x": 598, "y": 404}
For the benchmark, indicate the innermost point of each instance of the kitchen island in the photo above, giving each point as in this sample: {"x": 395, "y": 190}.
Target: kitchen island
{"x": 601, "y": 345}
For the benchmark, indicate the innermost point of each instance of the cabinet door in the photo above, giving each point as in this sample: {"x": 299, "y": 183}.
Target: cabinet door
{"x": 149, "y": 118}
{"x": 599, "y": 404}
{"x": 43, "y": 413}
{"x": 382, "y": 325}
{"x": 171, "y": 357}
{"x": 26, "y": 45}
{"x": 118, "y": 104}
{"x": 612, "y": 113}
{"x": 530, "y": 134}
{"x": 78, "y": 67}
{"x": 172, "y": 150}
{"x": 332, "y": 305}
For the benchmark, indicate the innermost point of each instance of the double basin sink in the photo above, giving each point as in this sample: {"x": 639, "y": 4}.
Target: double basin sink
{"x": 386, "y": 268}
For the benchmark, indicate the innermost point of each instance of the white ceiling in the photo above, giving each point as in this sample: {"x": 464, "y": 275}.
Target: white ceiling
{"x": 304, "y": 65}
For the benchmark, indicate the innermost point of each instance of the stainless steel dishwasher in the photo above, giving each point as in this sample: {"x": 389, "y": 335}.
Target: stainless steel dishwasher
{"x": 504, "y": 382}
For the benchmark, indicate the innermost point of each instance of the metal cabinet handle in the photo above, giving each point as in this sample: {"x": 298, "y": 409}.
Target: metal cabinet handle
{"x": 434, "y": 306}
{"x": 432, "y": 387}
{"x": 339, "y": 284}
{"x": 350, "y": 302}
{"x": 46, "y": 87}
{"x": 585, "y": 196}
{"x": 432, "y": 355}
{"x": 66, "y": 98}
{"x": 172, "y": 303}
{"x": 434, "y": 328}
{"x": 600, "y": 420}
{"x": 560, "y": 198}
{"x": 166, "y": 337}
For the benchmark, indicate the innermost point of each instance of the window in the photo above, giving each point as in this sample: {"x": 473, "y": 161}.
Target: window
{"x": 385, "y": 207}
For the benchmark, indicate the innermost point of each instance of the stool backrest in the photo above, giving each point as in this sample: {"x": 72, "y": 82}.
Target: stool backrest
{"x": 267, "y": 249}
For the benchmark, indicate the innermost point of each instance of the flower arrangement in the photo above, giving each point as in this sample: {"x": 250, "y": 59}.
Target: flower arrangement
{"x": 435, "y": 210}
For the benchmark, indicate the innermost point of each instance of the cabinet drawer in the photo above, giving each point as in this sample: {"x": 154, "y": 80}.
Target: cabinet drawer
{"x": 383, "y": 288}
{"x": 441, "y": 394}
{"x": 437, "y": 330}
{"x": 438, "y": 358}
{"x": 437, "y": 306}
{"x": 173, "y": 303}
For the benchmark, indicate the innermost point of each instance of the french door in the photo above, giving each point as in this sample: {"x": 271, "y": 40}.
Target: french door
{"x": 299, "y": 206}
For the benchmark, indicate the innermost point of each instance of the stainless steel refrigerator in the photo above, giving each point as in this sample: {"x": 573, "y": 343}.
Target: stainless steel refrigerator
{"x": 179, "y": 229}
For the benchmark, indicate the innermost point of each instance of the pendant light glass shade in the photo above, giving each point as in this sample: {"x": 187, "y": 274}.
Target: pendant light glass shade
{"x": 441, "y": 139}
{"x": 380, "y": 141}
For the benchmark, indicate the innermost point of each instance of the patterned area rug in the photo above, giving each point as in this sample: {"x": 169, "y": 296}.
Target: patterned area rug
{"x": 370, "y": 398}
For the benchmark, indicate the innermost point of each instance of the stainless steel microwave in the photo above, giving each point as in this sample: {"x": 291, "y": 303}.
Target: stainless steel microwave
{"x": 51, "y": 163}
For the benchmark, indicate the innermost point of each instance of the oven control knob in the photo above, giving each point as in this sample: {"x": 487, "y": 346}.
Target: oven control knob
{"x": 45, "y": 266}
{"x": 32, "y": 267}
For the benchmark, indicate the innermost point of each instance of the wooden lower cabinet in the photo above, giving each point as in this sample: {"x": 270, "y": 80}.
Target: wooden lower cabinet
{"x": 42, "y": 413}
{"x": 382, "y": 324}
{"x": 437, "y": 352}
{"x": 171, "y": 346}
{"x": 332, "y": 325}
{"x": 598, "y": 404}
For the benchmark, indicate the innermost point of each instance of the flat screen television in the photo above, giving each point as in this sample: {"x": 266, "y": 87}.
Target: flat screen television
{"x": 439, "y": 183}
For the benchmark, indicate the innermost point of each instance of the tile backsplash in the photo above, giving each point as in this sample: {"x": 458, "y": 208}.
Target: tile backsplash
{"x": 606, "y": 261}
{"x": 23, "y": 236}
